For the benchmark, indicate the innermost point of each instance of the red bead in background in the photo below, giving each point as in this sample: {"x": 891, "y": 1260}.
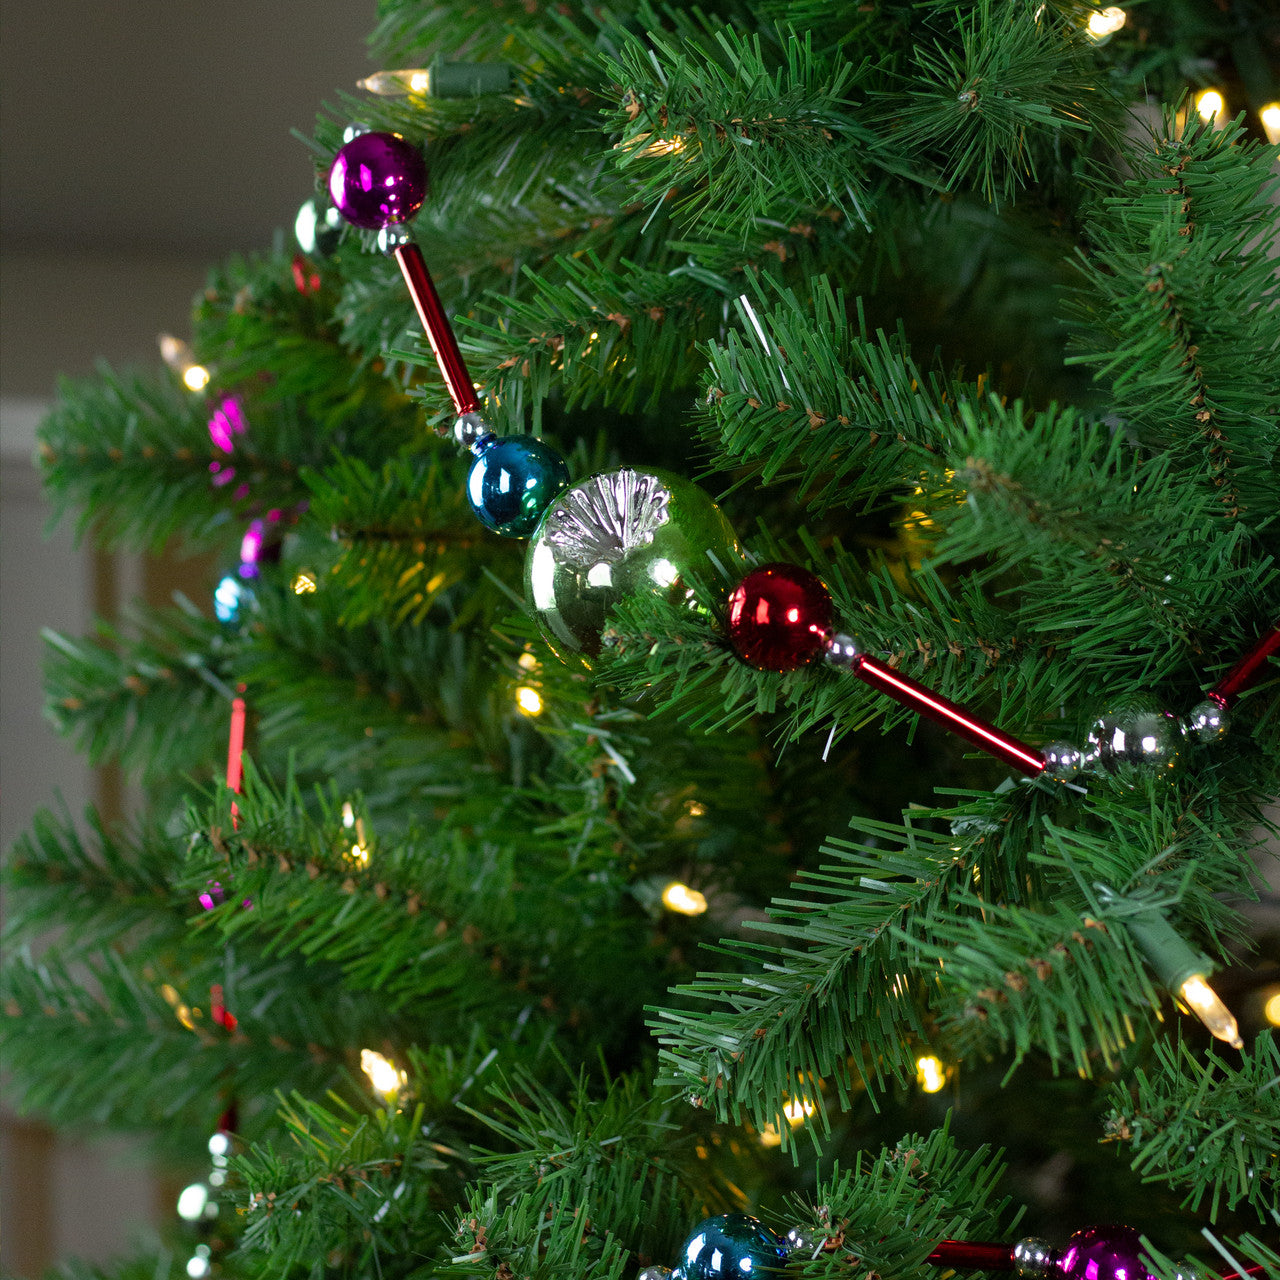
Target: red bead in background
{"x": 779, "y": 617}
{"x": 306, "y": 278}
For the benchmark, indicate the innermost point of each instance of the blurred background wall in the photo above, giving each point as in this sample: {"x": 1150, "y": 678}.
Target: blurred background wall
{"x": 139, "y": 143}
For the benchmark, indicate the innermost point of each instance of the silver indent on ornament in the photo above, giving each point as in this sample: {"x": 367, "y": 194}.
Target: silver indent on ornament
{"x": 604, "y": 519}
{"x": 618, "y": 536}
{"x": 842, "y": 652}
{"x": 392, "y": 237}
{"x": 1207, "y": 721}
{"x": 1062, "y": 760}
{"x": 469, "y": 429}
{"x": 1130, "y": 739}
{"x": 1033, "y": 1257}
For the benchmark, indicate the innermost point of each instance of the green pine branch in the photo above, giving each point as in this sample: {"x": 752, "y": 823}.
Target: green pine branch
{"x": 1177, "y": 313}
{"x": 101, "y": 889}
{"x": 888, "y": 1213}
{"x": 1205, "y": 1123}
{"x": 357, "y": 1187}
{"x": 154, "y": 697}
{"x": 133, "y": 454}
{"x": 619, "y": 1155}
{"x": 997, "y": 95}
{"x": 734, "y": 122}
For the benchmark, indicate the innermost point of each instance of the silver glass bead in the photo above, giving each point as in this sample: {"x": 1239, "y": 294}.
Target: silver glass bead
{"x": 1033, "y": 1257}
{"x": 1062, "y": 760}
{"x": 804, "y": 1241}
{"x": 1136, "y": 739}
{"x": 655, "y": 1273}
{"x": 842, "y": 652}
{"x": 392, "y": 237}
{"x": 1207, "y": 721}
{"x": 354, "y": 130}
{"x": 469, "y": 429}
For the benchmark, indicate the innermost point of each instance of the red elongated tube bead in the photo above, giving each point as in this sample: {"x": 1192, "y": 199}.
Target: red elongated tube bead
{"x": 966, "y": 1255}
{"x": 926, "y": 702}
{"x": 435, "y": 324}
{"x": 1246, "y": 671}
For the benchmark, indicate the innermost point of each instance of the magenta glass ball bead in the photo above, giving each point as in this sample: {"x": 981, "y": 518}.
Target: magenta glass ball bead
{"x": 1104, "y": 1253}
{"x": 779, "y": 617}
{"x": 378, "y": 179}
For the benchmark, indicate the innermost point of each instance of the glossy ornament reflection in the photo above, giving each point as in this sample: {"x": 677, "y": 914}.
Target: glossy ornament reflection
{"x": 618, "y": 536}
{"x": 1104, "y": 1253}
{"x": 513, "y": 481}
{"x": 731, "y": 1246}
{"x": 378, "y": 179}
{"x": 1135, "y": 738}
{"x": 779, "y": 617}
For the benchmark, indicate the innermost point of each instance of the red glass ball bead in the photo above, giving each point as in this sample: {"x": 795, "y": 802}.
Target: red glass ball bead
{"x": 779, "y": 617}
{"x": 378, "y": 179}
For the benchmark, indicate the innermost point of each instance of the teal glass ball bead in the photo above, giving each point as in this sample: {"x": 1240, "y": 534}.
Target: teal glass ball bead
{"x": 512, "y": 482}
{"x": 615, "y": 537}
{"x": 731, "y": 1246}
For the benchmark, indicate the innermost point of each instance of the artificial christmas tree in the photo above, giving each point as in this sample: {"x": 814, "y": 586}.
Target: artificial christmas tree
{"x": 816, "y": 368}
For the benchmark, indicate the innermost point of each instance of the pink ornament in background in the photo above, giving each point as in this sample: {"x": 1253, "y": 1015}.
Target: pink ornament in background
{"x": 251, "y": 548}
{"x": 227, "y": 422}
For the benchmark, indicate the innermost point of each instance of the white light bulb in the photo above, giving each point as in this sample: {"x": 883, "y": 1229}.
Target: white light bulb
{"x": 529, "y": 700}
{"x": 1203, "y": 1001}
{"x": 192, "y": 1201}
{"x": 931, "y": 1073}
{"x": 1106, "y": 22}
{"x": 1210, "y": 105}
{"x": 680, "y": 898}
{"x": 1270, "y": 117}
{"x": 384, "y": 1076}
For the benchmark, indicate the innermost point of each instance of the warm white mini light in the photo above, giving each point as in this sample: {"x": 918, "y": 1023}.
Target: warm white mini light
{"x": 529, "y": 700}
{"x": 770, "y": 1137}
{"x": 304, "y": 583}
{"x": 931, "y": 1073}
{"x": 1270, "y": 117}
{"x": 180, "y": 358}
{"x": 395, "y": 84}
{"x": 797, "y": 1110}
{"x": 680, "y": 898}
{"x": 384, "y": 1076}
{"x": 1271, "y": 1010}
{"x": 1203, "y": 1001}
{"x": 1210, "y": 105}
{"x": 1106, "y": 22}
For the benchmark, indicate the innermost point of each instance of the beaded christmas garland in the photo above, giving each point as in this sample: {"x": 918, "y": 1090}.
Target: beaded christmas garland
{"x": 605, "y": 538}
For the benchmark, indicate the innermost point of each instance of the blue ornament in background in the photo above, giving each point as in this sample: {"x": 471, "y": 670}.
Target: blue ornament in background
{"x": 228, "y": 597}
{"x": 732, "y": 1246}
{"x": 513, "y": 480}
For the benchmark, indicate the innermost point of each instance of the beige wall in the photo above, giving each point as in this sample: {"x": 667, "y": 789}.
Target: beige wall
{"x": 139, "y": 143}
